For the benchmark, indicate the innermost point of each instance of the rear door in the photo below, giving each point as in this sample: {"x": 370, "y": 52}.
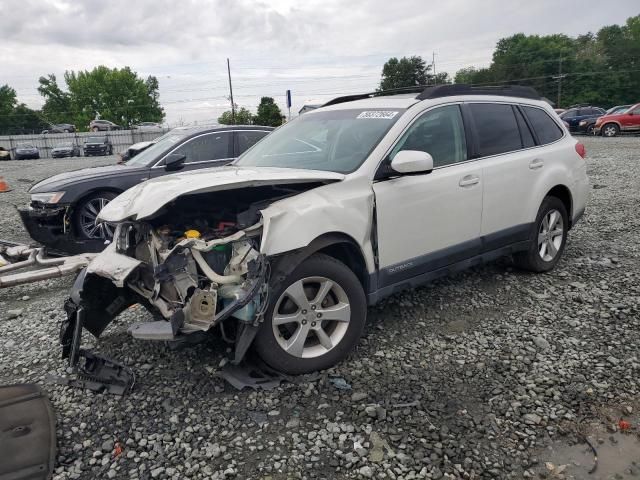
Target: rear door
{"x": 631, "y": 120}
{"x": 510, "y": 165}
{"x": 245, "y": 139}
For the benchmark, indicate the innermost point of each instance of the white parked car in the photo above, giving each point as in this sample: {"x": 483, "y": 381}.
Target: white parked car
{"x": 349, "y": 203}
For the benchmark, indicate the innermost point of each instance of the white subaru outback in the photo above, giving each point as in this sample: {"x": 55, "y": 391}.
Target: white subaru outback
{"x": 283, "y": 250}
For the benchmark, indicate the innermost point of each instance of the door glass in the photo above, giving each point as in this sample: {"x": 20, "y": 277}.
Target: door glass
{"x": 439, "y": 132}
{"x": 248, "y": 139}
{"x": 213, "y": 146}
{"x": 496, "y": 127}
{"x": 546, "y": 129}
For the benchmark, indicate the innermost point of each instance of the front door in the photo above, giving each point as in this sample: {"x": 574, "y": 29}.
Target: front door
{"x": 428, "y": 221}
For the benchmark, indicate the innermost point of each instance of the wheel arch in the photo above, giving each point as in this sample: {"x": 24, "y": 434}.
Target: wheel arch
{"x": 337, "y": 245}
{"x": 563, "y": 193}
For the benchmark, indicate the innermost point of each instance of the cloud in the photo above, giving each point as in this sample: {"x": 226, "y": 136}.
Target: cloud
{"x": 314, "y": 47}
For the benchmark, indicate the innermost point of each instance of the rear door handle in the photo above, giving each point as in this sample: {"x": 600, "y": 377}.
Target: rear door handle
{"x": 468, "y": 180}
{"x": 536, "y": 163}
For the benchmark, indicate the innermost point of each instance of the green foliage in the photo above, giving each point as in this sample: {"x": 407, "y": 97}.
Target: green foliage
{"x": 406, "y": 72}
{"x": 16, "y": 117}
{"x": 601, "y": 69}
{"x": 242, "y": 117}
{"x": 118, "y": 95}
{"x": 269, "y": 113}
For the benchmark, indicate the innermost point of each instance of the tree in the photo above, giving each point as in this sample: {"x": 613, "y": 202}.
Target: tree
{"x": 242, "y": 117}
{"x": 269, "y": 113}
{"x": 114, "y": 94}
{"x": 406, "y": 72}
{"x": 8, "y": 102}
{"x": 599, "y": 69}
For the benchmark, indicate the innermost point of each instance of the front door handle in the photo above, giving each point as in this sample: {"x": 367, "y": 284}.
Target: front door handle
{"x": 469, "y": 180}
{"x": 536, "y": 163}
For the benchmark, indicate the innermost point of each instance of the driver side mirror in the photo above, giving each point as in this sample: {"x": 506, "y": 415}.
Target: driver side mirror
{"x": 412, "y": 161}
{"x": 175, "y": 161}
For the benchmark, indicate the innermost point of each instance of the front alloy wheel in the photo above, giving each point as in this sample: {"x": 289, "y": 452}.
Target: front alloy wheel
{"x": 314, "y": 318}
{"x": 610, "y": 130}
{"x": 87, "y": 213}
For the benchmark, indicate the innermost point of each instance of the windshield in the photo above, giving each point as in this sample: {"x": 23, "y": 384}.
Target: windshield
{"x": 25, "y": 145}
{"x": 619, "y": 109}
{"x": 151, "y": 154}
{"x": 64, "y": 145}
{"x": 334, "y": 140}
{"x": 95, "y": 140}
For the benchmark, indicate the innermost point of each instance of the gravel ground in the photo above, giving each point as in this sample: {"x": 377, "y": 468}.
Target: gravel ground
{"x": 488, "y": 374}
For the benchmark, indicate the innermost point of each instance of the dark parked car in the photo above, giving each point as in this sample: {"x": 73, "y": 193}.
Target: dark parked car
{"x": 98, "y": 145}
{"x": 103, "y": 126}
{"x": 587, "y": 126}
{"x": 60, "y": 128}
{"x": 575, "y": 115}
{"x": 5, "y": 154}
{"x": 65, "y": 149}
{"x": 26, "y": 150}
{"x": 64, "y": 207}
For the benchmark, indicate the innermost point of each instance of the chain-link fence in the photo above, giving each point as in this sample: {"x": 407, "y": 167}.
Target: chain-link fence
{"x": 120, "y": 139}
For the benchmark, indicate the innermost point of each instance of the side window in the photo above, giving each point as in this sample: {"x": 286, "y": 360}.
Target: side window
{"x": 247, "y": 139}
{"x": 496, "y": 127}
{"x": 571, "y": 113}
{"x": 636, "y": 111}
{"x": 212, "y": 146}
{"x": 546, "y": 129}
{"x": 439, "y": 132}
{"x": 525, "y": 132}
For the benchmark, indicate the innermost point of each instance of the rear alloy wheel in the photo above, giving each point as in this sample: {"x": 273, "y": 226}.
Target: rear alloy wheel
{"x": 548, "y": 237}
{"x": 314, "y": 318}
{"x": 86, "y": 213}
{"x": 610, "y": 130}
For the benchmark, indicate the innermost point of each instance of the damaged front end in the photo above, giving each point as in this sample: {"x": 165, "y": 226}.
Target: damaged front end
{"x": 201, "y": 273}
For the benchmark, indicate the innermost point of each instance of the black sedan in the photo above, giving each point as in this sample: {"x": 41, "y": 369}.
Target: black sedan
{"x": 26, "y": 150}
{"x": 65, "y": 149}
{"x": 64, "y": 207}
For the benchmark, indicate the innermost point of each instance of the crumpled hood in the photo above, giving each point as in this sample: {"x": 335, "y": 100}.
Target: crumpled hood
{"x": 147, "y": 198}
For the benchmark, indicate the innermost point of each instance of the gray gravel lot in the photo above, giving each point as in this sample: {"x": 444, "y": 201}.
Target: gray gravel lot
{"x": 493, "y": 373}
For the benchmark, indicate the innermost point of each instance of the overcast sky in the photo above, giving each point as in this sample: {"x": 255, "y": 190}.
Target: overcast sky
{"x": 318, "y": 49}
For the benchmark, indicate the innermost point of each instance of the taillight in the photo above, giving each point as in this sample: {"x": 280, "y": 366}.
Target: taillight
{"x": 581, "y": 150}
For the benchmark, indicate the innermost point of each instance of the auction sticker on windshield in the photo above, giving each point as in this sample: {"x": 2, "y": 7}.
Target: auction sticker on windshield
{"x": 381, "y": 114}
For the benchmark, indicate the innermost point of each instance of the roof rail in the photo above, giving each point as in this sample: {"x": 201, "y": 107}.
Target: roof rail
{"x": 438, "y": 91}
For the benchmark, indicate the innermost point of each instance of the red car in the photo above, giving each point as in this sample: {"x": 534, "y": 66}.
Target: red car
{"x": 612, "y": 125}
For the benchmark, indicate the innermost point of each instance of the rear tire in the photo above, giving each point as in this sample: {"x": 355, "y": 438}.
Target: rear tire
{"x": 548, "y": 237}
{"x": 610, "y": 130}
{"x": 323, "y": 306}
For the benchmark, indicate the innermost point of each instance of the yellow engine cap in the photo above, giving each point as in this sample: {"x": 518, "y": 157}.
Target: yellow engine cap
{"x": 192, "y": 234}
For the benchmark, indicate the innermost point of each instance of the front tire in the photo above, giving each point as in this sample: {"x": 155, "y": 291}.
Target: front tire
{"x": 548, "y": 237}
{"x": 610, "y": 130}
{"x": 85, "y": 214}
{"x": 314, "y": 318}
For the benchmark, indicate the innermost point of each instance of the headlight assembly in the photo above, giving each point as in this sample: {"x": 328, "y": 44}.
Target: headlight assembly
{"x": 49, "y": 197}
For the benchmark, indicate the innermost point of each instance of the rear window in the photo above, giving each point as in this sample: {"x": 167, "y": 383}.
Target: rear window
{"x": 546, "y": 129}
{"x": 496, "y": 127}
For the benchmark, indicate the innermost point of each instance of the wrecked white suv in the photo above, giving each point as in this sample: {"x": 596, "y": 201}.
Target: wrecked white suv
{"x": 283, "y": 250}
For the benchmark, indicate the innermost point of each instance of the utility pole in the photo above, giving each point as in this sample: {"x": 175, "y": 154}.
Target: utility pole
{"x": 433, "y": 67}
{"x": 233, "y": 106}
{"x": 559, "y": 77}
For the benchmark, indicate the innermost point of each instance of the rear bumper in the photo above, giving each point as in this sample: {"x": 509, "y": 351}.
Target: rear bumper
{"x": 47, "y": 226}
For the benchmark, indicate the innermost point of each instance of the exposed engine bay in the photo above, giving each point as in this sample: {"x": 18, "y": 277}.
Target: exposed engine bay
{"x": 196, "y": 265}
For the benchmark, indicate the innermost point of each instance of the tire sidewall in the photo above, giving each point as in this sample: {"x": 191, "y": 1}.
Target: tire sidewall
{"x": 268, "y": 347}
{"x": 604, "y": 129}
